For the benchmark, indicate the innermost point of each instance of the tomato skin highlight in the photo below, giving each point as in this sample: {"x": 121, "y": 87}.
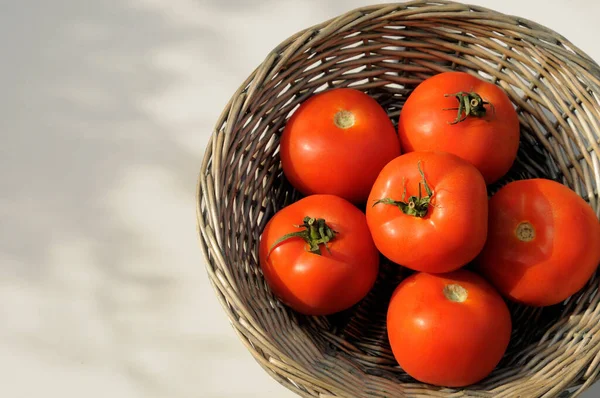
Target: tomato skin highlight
{"x": 443, "y": 342}
{"x": 454, "y": 229}
{"x": 490, "y": 142}
{"x": 543, "y": 244}
{"x": 322, "y": 284}
{"x": 320, "y": 157}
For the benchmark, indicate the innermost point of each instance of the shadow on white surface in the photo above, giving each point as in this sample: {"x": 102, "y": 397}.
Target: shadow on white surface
{"x": 102, "y": 282}
{"x": 107, "y": 107}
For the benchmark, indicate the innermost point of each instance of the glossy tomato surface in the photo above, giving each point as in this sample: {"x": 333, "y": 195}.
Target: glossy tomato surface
{"x": 332, "y": 280}
{"x": 449, "y": 330}
{"x": 451, "y": 231}
{"x": 489, "y": 141}
{"x": 543, "y": 242}
{"x": 336, "y": 143}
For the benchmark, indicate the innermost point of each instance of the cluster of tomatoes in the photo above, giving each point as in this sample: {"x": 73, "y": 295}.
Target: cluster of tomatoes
{"x": 423, "y": 190}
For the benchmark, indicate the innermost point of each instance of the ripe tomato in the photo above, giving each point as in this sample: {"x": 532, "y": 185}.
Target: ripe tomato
{"x": 449, "y": 330}
{"x": 543, "y": 244}
{"x": 436, "y": 231}
{"x": 485, "y": 131}
{"x": 336, "y": 143}
{"x": 318, "y": 256}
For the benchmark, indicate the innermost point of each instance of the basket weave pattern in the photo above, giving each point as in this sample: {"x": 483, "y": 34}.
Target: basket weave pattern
{"x": 386, "y": 51}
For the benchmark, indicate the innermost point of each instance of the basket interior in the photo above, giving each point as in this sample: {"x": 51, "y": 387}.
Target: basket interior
{"x": 387, "y": 56}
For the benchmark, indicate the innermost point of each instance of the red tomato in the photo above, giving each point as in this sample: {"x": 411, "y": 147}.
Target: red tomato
{"x": 443, "y": 230}
{"x": 327, "y": 264}
{"x": 543, "y": 244}
{"x": 336, "y": 143}
{"x": 485, "y": 131}
{"x": 449, "y": 330}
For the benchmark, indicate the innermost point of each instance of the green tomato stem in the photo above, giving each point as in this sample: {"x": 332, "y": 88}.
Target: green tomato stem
{"x": 416, "y": 206}
{"x": 469, "y": 104}
{"x": 316, "y": 233}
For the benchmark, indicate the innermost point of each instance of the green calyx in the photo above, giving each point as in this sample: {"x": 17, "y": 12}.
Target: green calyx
{"x": 416, "y": 206}
{"x": 316, "y": 233}
{"x": 469, "y": 104}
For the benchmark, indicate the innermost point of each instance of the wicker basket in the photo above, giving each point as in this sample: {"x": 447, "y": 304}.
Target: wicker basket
{"x": 386, "y": 51}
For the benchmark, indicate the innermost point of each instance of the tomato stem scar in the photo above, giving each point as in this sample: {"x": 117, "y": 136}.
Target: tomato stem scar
{"x": 316, "y": 232}
{"x": 471, "y": 104}
{"x": 344, "y": 119}
{"x": 456, "y": 293}
{"x": 525, "y": 231}
{"x": 416, "y": 206}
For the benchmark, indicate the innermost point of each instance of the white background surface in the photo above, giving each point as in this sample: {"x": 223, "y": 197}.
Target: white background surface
{"x": 106, "y": 107}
